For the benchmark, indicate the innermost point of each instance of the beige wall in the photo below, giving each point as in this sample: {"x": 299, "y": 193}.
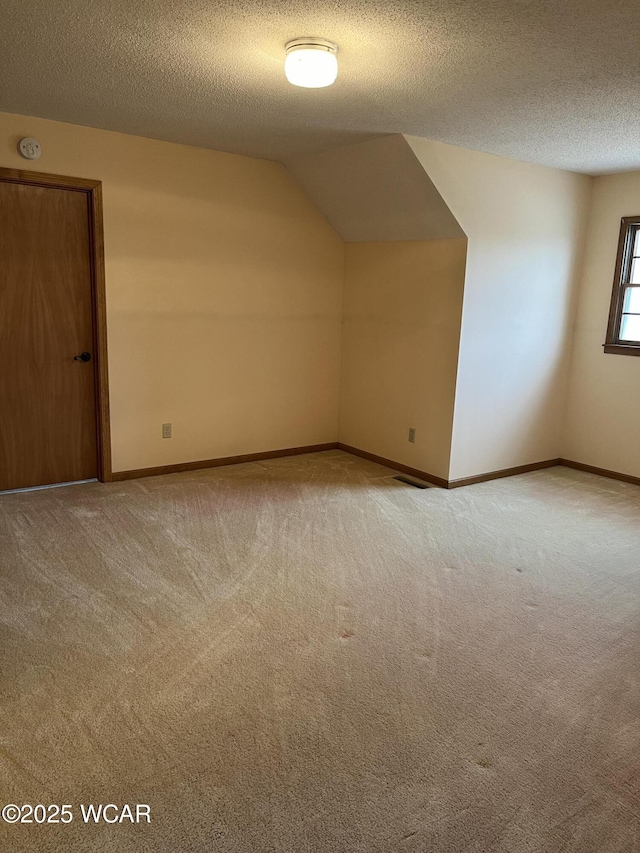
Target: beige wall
{"x": 401, "y": 327}
{"x": 224, "y": 300}
{"x": 603, "y": 407}
{"x": 525, "y": 226}
{"x": 224, "y": 290}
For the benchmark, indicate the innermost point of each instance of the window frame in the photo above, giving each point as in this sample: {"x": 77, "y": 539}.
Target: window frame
{"x": 629, "y": 228}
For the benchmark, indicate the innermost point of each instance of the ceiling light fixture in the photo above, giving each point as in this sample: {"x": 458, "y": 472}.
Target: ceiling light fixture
{"x": 311, "y": 62}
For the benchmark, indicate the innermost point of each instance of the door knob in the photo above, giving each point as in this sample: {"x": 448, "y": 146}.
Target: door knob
{"x": 84, "y": 356}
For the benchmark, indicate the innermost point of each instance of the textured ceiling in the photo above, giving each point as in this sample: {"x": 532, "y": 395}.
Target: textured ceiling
{"x": 552, "y": 81}
{"x": 376, "y": 190}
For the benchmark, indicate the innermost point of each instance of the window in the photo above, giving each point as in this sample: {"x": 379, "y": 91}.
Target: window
{"x": 623, "y": 332}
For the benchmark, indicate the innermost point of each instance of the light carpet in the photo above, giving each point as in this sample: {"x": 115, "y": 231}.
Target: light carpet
{"x": 306, "y": 655}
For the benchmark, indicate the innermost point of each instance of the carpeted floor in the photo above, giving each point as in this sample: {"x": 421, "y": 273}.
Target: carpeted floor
{"x": 305, "y": 655}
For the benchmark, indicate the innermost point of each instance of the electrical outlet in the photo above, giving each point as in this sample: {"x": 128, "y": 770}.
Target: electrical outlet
{"x": 412, "y": 435}
{"x": 166, "y": 430}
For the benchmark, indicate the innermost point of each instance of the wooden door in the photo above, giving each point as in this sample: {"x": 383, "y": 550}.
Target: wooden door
{"x": 47, "y": 398}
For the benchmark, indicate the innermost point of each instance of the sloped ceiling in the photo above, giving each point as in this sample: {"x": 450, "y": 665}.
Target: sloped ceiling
{"x": 376, "y": 190}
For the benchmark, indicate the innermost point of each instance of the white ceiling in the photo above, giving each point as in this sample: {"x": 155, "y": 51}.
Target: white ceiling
{"x": 551, "y": 81}
{"x": 376, "y": 190}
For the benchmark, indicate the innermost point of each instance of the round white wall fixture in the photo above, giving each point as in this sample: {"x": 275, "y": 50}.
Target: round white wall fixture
{"x": 311, "y": 62}
{"x": 29, "y": 148}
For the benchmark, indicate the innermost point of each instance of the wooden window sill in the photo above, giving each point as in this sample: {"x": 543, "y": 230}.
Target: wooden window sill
{"x": 622, "y": 349}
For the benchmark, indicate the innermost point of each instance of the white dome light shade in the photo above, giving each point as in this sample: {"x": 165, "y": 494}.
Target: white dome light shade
{"x": 311, "y": 63}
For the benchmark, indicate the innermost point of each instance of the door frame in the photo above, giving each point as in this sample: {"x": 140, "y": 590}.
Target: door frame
{"x": 93, "y": 191}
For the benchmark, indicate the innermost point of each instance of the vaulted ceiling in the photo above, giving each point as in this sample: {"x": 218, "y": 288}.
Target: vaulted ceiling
{"x": 551, "y": 81}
